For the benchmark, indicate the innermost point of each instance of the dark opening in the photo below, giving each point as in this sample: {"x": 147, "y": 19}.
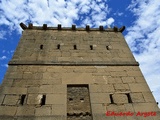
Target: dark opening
{"x": 41, "y": 47}
{"x": 70, "y": 99}
{"x": 58, "y": 46}
{"x": 111, "y": 99}
{"x": 107, "y": 47}
{"x": 22, "y": 99}
{"x": 81, "y": 98}
{"x": 129, "y": 98}
{"x": 91, "y": 47}
{"x": 43, "y": 100}
{"x": 75, "y": 47}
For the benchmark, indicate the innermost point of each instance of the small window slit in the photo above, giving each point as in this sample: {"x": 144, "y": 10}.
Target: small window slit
{"x": 22, "y": 99}
{"x": 70, "y": 99}
{"x": 58, "y": 46}
{"x": 129, "y": 98}
{"x": 111, "y": 98}
{"x": 107, "y": 47}
{"x": 91, "y": 47}
{"x": 41, "y": 47}
{"x": 43, "y": 100}
{"x": 75, "y": 47}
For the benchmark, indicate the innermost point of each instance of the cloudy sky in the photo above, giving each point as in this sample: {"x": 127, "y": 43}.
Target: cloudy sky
{"x": 141, "y": 18}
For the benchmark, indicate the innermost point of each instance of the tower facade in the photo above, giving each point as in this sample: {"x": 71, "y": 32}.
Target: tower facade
{"x": 74, "y": 74}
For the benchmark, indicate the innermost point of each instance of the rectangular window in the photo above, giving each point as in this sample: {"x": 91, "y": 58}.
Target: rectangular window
{"x": 111, "y": 99}
{"x": 43, "y": 100}
{"x": 129, "y": 98}
{"x": 58, "y": 46}
{"x": 91, "y": 47}
{"x": 75, "y": 47}
{"x": 22, "y": 99}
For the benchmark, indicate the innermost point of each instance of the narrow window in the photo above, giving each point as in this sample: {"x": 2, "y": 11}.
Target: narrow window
{"x": 41, "y": 47}
{"x": 129, "y": 98}
{"x": 58, "y": 46}
{"x": 111, "y": 99}
{"x": 107, "y": 47}
{"x": 91, "y": 47}
{"x": 22, "y": 99}
{"x": 82, "y": 99}
{"x": 70, "y": 99}
{"x": 75, "y": 47}
{"x": 43, "y": 100}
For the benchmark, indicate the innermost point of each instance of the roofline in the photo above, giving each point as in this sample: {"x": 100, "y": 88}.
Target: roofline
{"x": 73, "y": 28}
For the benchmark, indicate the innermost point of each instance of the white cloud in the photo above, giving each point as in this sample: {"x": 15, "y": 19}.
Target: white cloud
{"x": 2, "y": 34}
{"x": 63, "y": 12}
{"x": 110, "y": 21}
{"x": 5, "y": 65}
{"x": 143, "y": 39}
{"x": 3, "y": 57}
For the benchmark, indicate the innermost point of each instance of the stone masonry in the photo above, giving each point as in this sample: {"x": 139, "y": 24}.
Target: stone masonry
{"x": 74, "y": 73}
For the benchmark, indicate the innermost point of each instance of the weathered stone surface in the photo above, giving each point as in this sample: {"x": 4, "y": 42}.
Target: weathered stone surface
{"x": 98, "y": 98}
{"x": 120, "y": 98}
{"x": 56, "y": 98}
{"x": 43, "y": 111}
{"x": 148, "y": 97}
{"x": 121, "y": 87}
{"x": 11, "y": 100}
{"x": 34, "y": 99}
{"x": 8, "y": 110}
{"x": 98, "y": 109}
{"x": 138, "y": 87}
{"x": 77, "y": 78}
{"x": 14, "y": 90}
{"x": 47, "y": 62}
{"x": 101, "y": 88}
{"x": 145, "y": 107}
{"x": 137, "y": 97}
{"x": 25, "y": 111}
{"x": 59, "y": 110}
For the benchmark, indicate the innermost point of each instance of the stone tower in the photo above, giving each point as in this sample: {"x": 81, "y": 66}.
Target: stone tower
{"x": 74, "y": 73}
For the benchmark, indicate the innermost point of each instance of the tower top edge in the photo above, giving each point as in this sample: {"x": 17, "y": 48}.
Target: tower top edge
{"x": 72, "y": 28}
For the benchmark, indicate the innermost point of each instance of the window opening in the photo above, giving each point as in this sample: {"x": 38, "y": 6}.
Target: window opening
{"x": 58, "y": 46}
{"x": 91, "y": 47}
{"x": 75, "y": 47}
{"x": 111, "y": 98}
{"x": 129, "y": 98}
{"x": 107, "y": 47}
{"x": 70, "y": 99}
{"x": 41, "y": 47}
{"x": 43, "y": 100}
{"x": 82, "y": 99}
{"x": 22, "y": 99}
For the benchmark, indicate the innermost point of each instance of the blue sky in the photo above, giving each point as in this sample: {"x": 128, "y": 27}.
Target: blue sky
{"x": 141, "y": 18}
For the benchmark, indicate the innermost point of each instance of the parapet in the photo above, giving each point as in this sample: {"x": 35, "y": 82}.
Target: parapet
{"x": 73, "y": 27}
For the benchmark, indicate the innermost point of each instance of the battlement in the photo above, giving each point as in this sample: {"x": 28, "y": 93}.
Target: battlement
{"x": 73, "y": 27}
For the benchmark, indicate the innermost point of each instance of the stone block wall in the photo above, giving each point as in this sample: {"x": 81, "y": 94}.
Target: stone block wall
{"x": 52, "y": 68}
{"x": 107, "y": 91}
{"x": 38, "y": 46}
